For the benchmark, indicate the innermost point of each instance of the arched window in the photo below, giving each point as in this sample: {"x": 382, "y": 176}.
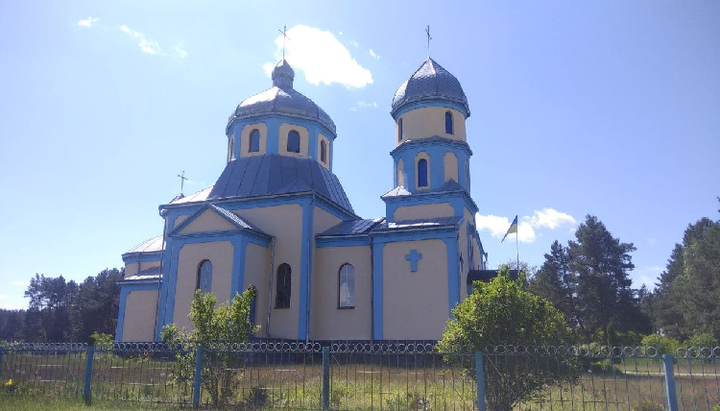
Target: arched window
{"x": 283, "y": 288}
{"x": 293, "y": 143}
{"x": 204, "y": 277}
{"x": 422, "y": 173}
{"x": 231, "y": 147}
{"x": 323, "y": 151}
{"x": 400, "y": 130}
{"x": 346, "y": 294}
{"x": 254, "y": 143}
{"x": 448, "y": 123}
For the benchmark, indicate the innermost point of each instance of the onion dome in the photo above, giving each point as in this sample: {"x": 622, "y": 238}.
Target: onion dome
{"x": 282, "y": 99}
{"x": 430, "y": 82}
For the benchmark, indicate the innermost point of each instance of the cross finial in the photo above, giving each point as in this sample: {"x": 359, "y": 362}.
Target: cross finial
{"x": 285, "y": 37}
{"x": 427, "y": 31}
{"x": 182, "y": 181}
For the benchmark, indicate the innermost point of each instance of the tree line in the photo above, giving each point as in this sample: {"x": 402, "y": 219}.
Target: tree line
{"x": 588, "y": 280}
{"x": 61, "y": 310}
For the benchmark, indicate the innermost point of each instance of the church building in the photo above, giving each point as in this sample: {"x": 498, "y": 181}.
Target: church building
{"x": 279, "y": 220}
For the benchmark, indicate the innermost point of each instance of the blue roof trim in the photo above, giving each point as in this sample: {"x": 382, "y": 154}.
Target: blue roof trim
{"x": 276, "y": 175}
{"x": 353, "y": 227}
{"x": 425, "y": 223}
{"x": 433, "y": 141}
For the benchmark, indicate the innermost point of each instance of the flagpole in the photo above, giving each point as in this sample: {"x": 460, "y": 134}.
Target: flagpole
{"x": 517, "y": 247}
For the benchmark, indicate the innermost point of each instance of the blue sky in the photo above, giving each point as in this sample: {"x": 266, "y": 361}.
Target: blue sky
{"x": 603, "y": 108}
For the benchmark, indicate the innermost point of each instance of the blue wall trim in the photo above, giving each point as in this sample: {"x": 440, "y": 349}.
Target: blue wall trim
{"x": 305, "y": 270}
{"x": 344, "y": 241}
{"x": 429, "y": 103}
{"x": 457, "y": 199}
{"x": 131, "y": 258}
{"x": 453, "y": 274}
{"x": 125, "y": 290}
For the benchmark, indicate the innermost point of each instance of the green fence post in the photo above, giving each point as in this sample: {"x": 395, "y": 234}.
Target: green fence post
{"x": 198, "y": 376}
{"x": 326, "y": 378}
{"x": 88, "y": 375}
{"x": 670, "y": 382}
{"x": 480, "y": 380}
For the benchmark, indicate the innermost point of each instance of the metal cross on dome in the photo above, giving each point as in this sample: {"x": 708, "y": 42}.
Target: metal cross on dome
{"x": 182, "y": 181}
{"x": 285, "y": 37}
{"x": 427, "y": 31}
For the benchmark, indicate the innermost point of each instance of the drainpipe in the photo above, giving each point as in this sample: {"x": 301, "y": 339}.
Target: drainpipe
{"x": 270, "y": 287}
{"x": 372, "y": 288}
{"x": 308, "y": 280}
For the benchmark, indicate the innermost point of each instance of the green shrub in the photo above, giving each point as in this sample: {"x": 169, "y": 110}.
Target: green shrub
{"x": 665, "y": 345}
{"x": 647, "y": 406}
{"x": 702, "y": 340}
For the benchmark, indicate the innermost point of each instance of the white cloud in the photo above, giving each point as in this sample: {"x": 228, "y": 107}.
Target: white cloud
{"x": 3, "y": 296}
{"x": 181, "y": 52}
{"x": 362, "y": 104}
{"x": 355, "y": 43}
{"x": 547, "y": 218}
{"x": 88, "y": 22}
{"x": 374, "y": 55}
{"x": 321, "y": 56}
{"x": 147, "y": 46}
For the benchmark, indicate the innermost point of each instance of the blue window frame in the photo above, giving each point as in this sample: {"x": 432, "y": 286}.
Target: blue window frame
{"x": 346, "y": 286}
{"x": 204, "y": 277}
{"x": 254, "y": 143}
{"x": 448, "y": 123}
{"x": 422, "y": 173}
{"x": 400, "y": 130}
{"x": 283, "y": 288}
{"x": 293, "y": 142}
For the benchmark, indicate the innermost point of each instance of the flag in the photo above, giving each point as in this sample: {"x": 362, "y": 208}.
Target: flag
{"x": 513, "y": 228}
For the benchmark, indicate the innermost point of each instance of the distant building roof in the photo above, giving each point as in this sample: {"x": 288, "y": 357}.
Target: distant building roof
{"x": 197, "y": 196}
{"x": 148, "y": 246}
{"x": 273, "y": 174}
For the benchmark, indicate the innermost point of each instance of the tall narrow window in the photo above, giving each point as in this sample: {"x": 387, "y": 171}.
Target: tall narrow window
{"x": 400, "y": 130}
{"x": 422, "y": 173}
{"x": 323, "y": 151}
{"x": 283, "y": 288}
{"x": 346, "y": 295}
{"x": 448, "y": 123}
{"x": 293, "y": 143}
{"x": 231, "y": 148}
{"x": 254, "y": 143}
{"x": 204, "y": 277}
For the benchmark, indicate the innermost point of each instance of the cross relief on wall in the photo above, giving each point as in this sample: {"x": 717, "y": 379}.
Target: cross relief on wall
{"x": 413, "y": 256}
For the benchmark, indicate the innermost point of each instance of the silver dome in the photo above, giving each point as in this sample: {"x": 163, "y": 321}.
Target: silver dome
{"x": 430, "y": 82}
{"x": 281, "y": 98}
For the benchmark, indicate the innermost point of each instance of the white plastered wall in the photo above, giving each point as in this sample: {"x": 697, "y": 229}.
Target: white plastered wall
{"x": 423, "y": 211}
{"x": 140, "y": 313}
{"x": 285, "y": 224}
{"x": 415, "y": 304}
{"x": 327, "y": 321}
{"x": 430, "y": 122}
{"x": 220, "y": 254}
{"x": 208, "y": 221}
{"x": 257, "y": 259}
{"x": 450, "y": 166}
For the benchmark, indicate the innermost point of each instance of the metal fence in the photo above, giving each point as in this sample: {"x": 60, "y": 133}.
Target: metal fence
{"x": 368, "y": 376}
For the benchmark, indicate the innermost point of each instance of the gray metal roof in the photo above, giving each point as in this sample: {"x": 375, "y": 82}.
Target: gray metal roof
{"x": 273, "y": 174}
{"x": 148, "y": 246}
{"x": 352, "y": 227}
{"x": 153, "y": 273}
{"x": 236, "y": 219}
{"x": 281, "y": 98}
{"x": 397, "y": 192}
{"x": 420, "y": 223}
{"x": 430, "y": 82}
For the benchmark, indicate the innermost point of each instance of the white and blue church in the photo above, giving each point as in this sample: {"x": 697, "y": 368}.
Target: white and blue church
{"x": 279, "y": 220}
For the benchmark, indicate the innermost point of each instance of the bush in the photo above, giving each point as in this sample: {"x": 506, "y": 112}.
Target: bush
{"x": 665, "y": 345}
{"x": 702, "y": 340}
{"x": 647, "y": 406}
{"x": 501, "y": 313}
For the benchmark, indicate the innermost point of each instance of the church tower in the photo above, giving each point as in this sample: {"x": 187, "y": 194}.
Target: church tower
{"x": 430, "y": 110}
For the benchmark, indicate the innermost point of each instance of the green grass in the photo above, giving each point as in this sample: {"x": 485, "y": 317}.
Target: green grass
{"x": 15, "y": 403}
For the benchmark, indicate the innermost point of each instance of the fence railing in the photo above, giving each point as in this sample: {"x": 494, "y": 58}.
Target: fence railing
{"x": 361, "y": 376}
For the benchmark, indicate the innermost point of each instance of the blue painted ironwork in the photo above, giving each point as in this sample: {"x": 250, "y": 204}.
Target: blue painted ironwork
{"x": 326, "y": 378}
{"x": 198, "y": 376}
{"x": 670, "y": 382}
{"x": 480, "y": 380}
{"x": 87, "y": 394}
